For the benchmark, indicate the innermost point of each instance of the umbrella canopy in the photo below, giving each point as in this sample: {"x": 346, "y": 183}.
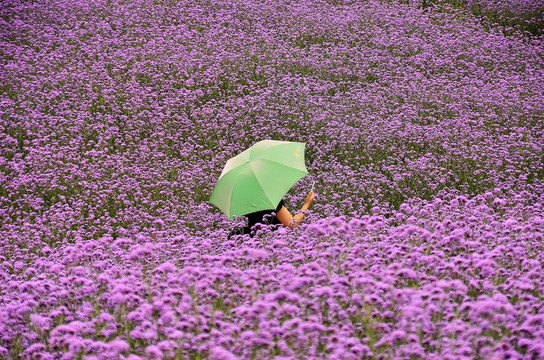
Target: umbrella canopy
{"x": 257, "y": 178}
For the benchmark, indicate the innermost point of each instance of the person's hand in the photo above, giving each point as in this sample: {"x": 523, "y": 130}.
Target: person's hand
{"x": 309, "y": 198}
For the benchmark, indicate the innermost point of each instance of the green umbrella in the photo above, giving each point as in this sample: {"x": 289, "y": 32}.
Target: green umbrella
{"x": 257, "y": 178}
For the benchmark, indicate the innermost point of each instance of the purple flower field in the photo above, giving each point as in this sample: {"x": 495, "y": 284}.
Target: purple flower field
{"x": 524, "y": 15}
{"x": 424, "y": 133}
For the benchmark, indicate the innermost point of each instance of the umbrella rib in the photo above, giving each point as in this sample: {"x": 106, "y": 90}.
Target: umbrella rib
{"x": 259, "y": 183}
{"x": 230, "y": 202}
{"x": 227, "y": 209}
{"x": 287, "y": 166}
{"x": 276, "y": 162}
{"x": 233, "y": 167}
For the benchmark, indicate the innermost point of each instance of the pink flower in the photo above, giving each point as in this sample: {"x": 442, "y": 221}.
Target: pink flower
{"x": 220, "y": 353}
{"x": 154, "y": 352}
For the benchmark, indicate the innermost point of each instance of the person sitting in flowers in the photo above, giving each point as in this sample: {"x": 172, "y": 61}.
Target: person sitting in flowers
{"x": 278, "y": 216}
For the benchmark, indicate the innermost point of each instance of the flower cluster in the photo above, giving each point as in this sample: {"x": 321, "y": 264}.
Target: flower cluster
{"x": 448, "y": 278}
{"x": 526, "y": 15}
{"x": 423, "y": 131}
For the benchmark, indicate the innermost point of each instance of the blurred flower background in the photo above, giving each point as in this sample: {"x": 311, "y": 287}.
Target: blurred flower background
{"x": 423, "y": 123}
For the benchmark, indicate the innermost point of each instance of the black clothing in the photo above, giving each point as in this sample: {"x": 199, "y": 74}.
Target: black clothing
{"x": 263, "y": 217}
{"x": 258, "y": 217}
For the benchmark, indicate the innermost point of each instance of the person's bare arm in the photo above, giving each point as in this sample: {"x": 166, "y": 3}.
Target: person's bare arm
{"x": 284, "y": 216}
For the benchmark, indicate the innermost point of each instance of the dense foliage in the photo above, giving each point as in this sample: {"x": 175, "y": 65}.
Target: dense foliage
{"x": 511, "y": 15}
{"x": 423, "y": 129}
